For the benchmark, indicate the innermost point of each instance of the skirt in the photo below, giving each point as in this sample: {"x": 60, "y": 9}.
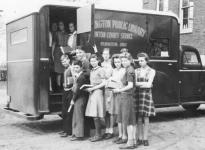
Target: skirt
{"x": 96, "y": 104}
{"x": 144, "y": 103}
{"x": 126, "y": 113}
{"x": 58, "y": 67}
{"x": 114, "y": 108}
{"x": 108, "y": 100}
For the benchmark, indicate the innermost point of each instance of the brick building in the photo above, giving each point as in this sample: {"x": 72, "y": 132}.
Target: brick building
{"x": 192, "y": 19}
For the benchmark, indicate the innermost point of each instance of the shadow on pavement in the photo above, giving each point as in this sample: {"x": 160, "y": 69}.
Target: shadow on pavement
{"x": 54, "y": 125}
{"x": 177, "y": 114}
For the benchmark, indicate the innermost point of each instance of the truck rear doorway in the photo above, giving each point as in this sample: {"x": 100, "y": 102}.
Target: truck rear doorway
{"x": 52, "y": 16}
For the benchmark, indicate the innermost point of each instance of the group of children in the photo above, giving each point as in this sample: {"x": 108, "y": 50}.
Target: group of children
{"x": 117, "y": 93}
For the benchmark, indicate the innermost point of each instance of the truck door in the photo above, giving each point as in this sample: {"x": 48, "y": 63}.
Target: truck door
{"x": 85, "y": 27}
{"x": 21, "y": 52}
{"x": 192, "y": 77}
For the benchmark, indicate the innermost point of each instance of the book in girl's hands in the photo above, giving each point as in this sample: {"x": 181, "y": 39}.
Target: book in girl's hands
{"x": 85, "y": 86}
{"x": 112, "y": 84}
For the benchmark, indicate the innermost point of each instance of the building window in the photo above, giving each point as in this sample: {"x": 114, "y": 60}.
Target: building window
{"x": 162, "y": 5}
{"x": 186, "y": 16}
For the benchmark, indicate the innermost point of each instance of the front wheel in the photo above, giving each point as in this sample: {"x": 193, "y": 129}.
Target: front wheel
{"x": 193, "y": 107}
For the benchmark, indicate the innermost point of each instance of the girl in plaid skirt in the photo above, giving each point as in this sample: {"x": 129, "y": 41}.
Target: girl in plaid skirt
{"x": 145, "y": 105}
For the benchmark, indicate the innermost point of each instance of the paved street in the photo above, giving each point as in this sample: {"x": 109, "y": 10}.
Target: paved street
{"x": 172, "y": 129}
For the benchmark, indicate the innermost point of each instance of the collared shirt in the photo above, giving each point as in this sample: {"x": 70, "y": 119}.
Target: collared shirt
{"x": 68, "y": 78}
{"x": 97, "y": 75}
{"x": 50, "y": 39}
{"x": 108, "y": 68}
{"x": 78, "y": 74}
{"x": 71, "y": 39}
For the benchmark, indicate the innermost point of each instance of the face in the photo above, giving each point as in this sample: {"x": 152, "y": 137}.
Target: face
{"x": 77, "y": 68}
{"x": 80, "y": 54}
{"x": 117, "y": 62}
{"x": 61, "y": 26}
{"x": 124, "y": 50}
{"x": 94, "y": 62}
{"x": 142, "y": 61}
{"x": 125, "y": 62}
{"x": 54, "y": 27}
{"x": 71, "y": 27}
{"x": 65, "y": 62}
{"x": 106, "y": 55}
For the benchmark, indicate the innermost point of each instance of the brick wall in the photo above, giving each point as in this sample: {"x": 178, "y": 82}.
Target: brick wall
{"x": 197, "y": 37}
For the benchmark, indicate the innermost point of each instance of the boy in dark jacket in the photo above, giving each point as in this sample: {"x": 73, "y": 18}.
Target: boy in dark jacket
{"x": 79, "y": 100}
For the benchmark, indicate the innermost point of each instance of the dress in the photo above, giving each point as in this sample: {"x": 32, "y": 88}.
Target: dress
{"x": 60, "y": 40}
{"x": 96, "y": 103}
{"x": 126, "y": 113}
{"x": 117, "y": 76}
{"x": 108, "y": 93}
{"x": 144, "y": 101}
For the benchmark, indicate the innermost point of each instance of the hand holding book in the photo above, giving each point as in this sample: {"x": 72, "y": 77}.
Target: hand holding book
{"x": 112, "y": 84}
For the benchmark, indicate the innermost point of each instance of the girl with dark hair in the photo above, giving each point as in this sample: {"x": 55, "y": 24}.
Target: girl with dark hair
{"x": 145, "y": 105}
{"x": 126, "y": 114}
{"x": 96, "y": 104}
{"x": 116, "y": 77}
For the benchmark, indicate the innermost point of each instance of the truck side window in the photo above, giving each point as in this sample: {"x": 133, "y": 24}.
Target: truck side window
{"x": 159, "y": 48}
{"x": 190, "y": 58}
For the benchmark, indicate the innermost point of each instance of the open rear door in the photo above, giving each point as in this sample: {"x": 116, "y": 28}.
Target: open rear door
{"x": 85, "y": 26}
{"x": 21, "y": 52}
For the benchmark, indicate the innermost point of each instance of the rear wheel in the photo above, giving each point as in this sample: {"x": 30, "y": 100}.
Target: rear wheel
{"x": 193, "y": 107}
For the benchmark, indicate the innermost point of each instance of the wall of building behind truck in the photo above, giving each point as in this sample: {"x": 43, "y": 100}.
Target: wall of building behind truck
{"x": 195, "y": 38}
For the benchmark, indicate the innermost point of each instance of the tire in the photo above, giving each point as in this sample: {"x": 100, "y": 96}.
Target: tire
{"x": 193, "y": 107}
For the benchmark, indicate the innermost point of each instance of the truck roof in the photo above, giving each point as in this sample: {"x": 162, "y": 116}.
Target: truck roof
{"x": 36, "y": 7}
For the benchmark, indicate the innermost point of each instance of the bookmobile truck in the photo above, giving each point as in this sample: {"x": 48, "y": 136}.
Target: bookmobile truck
{"x": 180, "y": 77}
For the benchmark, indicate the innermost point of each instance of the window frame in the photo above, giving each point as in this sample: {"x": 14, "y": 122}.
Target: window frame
{"x": 189, "y": 27}
{"x": 165, "y": 5}
{"x": 190, "y": 66}
{"x": 160, "y": 40}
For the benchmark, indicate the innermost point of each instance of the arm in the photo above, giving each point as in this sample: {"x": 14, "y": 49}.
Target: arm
{"x": 97, "y": 86}
{"x": 65, "y": 80}
{"x": 102, "y": 84}
{"x": 130, "y": 79}
{"x": 83, "y": 79}
{"x": 129, "y": 86}
{"x": 138, "y": 84}
{"x": 53, "y": 47}
{"x": 150, "y": 81}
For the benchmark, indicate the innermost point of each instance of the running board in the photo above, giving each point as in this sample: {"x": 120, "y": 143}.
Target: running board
{"x": 22, "y": 115}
